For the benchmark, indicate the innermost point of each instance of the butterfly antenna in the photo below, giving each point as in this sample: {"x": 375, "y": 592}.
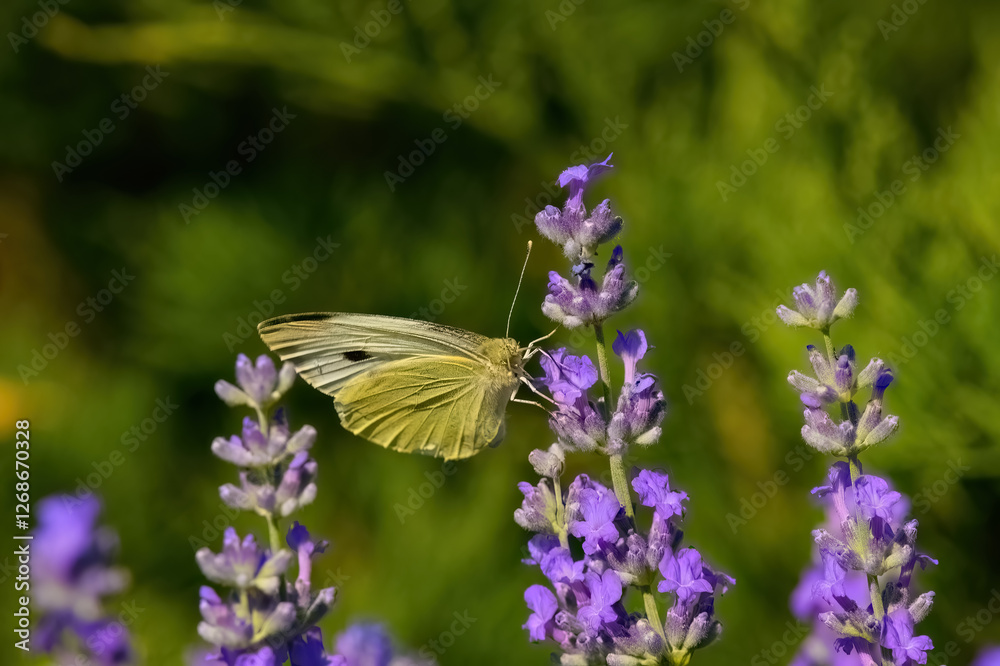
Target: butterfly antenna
{"x": 518, "y": 290}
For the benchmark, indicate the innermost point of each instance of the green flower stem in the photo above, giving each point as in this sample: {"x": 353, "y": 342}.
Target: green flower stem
{"x": 680, "y": 658}
{"x": 602, "y": 362}
{"x": 560, "y": 515}
{"x": 262, "y": 418}
{"x": 652, "y": 612}
{"x": 844, "y": 413}
{"x": 876, "y": 597}
{"x": 272, "y": 533}
{"x": 829, "y": 345}
{"x": 618, "y": 477}
{"x": 620, "y": 480}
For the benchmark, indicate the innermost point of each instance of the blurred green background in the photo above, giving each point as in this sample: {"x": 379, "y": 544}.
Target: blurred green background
{"x": 684, "y": 94}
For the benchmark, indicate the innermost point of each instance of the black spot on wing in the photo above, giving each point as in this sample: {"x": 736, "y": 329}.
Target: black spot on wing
{"x": 357, "y": 355}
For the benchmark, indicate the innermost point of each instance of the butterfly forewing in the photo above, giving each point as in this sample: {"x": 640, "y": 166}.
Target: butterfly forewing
{"x": 330, "y": 349}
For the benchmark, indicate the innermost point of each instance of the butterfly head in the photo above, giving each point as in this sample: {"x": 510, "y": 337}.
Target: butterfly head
{"x": 505, "y": 353}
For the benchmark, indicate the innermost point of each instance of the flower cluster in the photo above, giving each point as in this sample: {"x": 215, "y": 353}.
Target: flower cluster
{"x": 71, "y": 574}
{"x": 580, "y": 421}
{"x": 583, "y": 610}
{"x": 858, "y": 589}
{"x": 580, "y": 301}
{"x": 588, "y": 543}
{"x": 267, "y": 617}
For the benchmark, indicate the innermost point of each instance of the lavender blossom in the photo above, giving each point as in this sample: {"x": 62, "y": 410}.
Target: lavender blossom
{"x": 268, "y": 617}
{"x": 260, "y": 384}
{"x": 71, "y": 575}
{"x": 817, "y": 305}
{"x": 858, "y": 591}
{"x": 581, "y": 302}
{"x": 584, "y": 611}
{"x": 571, "y": 227}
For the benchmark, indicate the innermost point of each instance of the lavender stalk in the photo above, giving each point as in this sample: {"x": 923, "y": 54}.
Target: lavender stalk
{"x": 858, "y": 590}
{"x": 589, "y": 542}
{"x": 268, "y": 617}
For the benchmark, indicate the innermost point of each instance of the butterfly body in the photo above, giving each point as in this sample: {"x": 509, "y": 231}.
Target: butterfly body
{"x": 408, "y": 385}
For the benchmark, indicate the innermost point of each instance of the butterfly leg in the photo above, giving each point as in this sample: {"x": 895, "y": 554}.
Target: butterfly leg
{"x": 527, "y": 382}
{"x": 531, "y": 350}
{"x": 531, "y": 402}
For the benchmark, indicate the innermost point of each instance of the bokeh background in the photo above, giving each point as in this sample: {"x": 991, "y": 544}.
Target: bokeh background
{"x": 680, "y": 91}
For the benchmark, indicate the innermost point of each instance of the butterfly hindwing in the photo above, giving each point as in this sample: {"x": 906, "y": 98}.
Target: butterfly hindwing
{"x": 438, "y": 405}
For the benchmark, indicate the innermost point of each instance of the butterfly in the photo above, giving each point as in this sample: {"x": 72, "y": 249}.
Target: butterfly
{"x": 405, "y": 384}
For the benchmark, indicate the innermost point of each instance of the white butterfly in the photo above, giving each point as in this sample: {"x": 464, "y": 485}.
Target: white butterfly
{"x": 408, "y": 385}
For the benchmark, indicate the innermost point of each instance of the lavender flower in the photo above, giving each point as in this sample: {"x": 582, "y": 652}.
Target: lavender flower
{"x": 683, "y": 575}
{"x": 858, "y": 591}
{"x": 597, "y": 510}
{"x": 571, "y": 227}
{"x": 581, "y": 302}
{"x": 584, "y": 611}
{"x": 260, "y": 384}
{"x": 267, "y": 617}
{"x": 71, "y": 575}
{"x": 543, "y": 605}
{"x": 654, "y": 491}
{"x": 243, "y": 565}
{"x": 817, "y": 305}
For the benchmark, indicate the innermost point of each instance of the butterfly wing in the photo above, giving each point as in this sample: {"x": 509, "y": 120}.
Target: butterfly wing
{"x": 329, "y": 349}
{"x": 448, "y": 406}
